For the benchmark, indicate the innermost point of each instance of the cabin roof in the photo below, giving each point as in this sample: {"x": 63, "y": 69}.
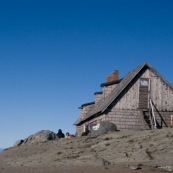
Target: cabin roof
{"x": 87, "y": 104}
{"x": 100, "y": 92}
{"x": 102, "y": 105}
{"x": 77, "y": 121}
{"x": 111, "y": 83}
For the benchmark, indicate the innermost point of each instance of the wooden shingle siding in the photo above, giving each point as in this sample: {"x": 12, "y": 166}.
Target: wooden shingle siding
{"x": 82, "y": 113}
{"x": 163, "y": 118}
{"x": 108, "y": 89}
{"x": 79, "y": 130}
{"x": 129, "y": 98}
{"x": 98, "y": 97}
{"x": 126, "y": 119}
{"x": 85, "y": 110}
{"x": 161, "y": 93}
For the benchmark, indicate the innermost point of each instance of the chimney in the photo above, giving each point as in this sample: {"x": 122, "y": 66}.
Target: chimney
{"x": 108, "y": 78}
{"x": 115, "y": 75}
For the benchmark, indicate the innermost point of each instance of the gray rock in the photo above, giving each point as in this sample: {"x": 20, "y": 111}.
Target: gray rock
{"x": 18, "y": 143}
{"x": 101, "y": 162}
{"x": 41, "y": 136}
{"x": 102, "y": 128}
{"x": 167, "y": 168}
{"x": 135, "y": 167}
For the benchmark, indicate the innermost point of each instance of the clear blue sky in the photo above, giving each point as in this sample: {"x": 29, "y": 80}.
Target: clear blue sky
{"x": 55, "y": 54}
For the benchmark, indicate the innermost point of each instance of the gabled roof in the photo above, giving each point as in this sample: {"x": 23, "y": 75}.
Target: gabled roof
{"x": 104, "y": 104}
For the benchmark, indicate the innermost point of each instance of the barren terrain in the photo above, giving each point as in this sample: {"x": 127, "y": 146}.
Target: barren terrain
{"x": 125, "y": 151}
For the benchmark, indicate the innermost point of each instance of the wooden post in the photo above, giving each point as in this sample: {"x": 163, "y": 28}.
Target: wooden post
{"x": 153, "y": 116}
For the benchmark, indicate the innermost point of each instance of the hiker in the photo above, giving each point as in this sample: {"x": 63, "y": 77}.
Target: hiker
{"x": 60, "y": 134}
{"x": 67, "y": 135}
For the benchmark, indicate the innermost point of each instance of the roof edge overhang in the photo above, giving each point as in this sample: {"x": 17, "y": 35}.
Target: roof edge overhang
{"x": 155, "y": 71}
{"x": 111, "y": 83}
{"x": 86, "y": 104}
{"x": 88, "y": 119}
{"x": 99, "y": 92}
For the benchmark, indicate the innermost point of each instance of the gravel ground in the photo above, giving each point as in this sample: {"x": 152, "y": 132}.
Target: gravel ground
{"x": 113, "y": 152}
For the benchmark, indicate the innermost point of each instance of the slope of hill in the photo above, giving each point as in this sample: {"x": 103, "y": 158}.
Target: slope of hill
{"x": 148, "y": 148}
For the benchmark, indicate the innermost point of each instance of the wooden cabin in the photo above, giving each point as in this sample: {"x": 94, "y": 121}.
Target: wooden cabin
{"x": 141, "y": 100}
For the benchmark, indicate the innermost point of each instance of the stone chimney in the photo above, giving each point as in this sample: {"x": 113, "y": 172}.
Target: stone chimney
{"x": 115, "y": 76}
{"x": 108, "y": 78}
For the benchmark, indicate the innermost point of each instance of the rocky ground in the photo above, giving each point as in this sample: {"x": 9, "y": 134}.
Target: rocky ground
{"x": 126, "y": 151}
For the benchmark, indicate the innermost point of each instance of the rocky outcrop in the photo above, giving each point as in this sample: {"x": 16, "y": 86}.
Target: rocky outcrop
{"x": 41, "y": 136}
{"x": 18, "y": 143}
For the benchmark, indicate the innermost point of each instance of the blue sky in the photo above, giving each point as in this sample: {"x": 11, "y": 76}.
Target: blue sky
{"x": 55, "y": 54}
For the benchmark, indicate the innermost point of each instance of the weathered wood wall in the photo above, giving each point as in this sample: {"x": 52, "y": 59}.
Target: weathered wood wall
{"x": 131, "y": 119}
{"x": 160, "y": 93}
{"x": 79, "y": 130}
{"x": 98, "y": 97}
{"x": 85, "y": 109}
{"x": 108, "y": 89}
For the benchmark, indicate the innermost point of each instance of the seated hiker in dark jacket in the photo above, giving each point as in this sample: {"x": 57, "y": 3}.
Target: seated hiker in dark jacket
{"x": 60, "y": 134}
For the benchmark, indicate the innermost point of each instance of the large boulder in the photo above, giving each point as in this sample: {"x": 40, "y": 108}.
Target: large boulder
{"x": 102, "y": 128}
{"x": 41, "y": 136}
{"x": 18, "y": 143}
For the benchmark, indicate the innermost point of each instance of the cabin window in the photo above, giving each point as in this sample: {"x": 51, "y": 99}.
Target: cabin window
{"x": 144, "y": 93}
{"x": 144, "y": 82}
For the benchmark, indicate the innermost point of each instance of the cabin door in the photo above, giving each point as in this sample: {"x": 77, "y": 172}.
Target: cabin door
{"x": 144, "y": 93}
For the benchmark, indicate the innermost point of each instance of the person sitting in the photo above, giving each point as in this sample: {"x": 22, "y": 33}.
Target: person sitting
{"x": 60, "y": 134}
{"x": 67, "y": 135}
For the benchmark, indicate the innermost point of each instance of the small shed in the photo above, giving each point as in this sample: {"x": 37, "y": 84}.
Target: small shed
{"x": 141, "y": 100}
